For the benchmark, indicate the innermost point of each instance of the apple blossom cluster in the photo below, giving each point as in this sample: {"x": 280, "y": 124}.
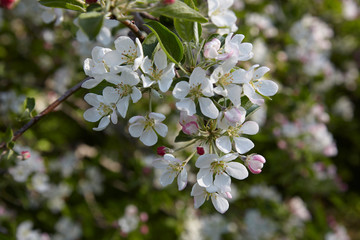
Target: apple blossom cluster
{"x": 210, "y": 99}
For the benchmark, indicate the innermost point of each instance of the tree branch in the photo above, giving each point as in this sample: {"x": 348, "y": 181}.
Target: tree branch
{"x": 47, "y": 110}
{"x": 134, "y": 29}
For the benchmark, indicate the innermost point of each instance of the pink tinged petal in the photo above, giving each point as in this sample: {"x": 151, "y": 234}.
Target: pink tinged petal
{"x": 235, "y": 115}
{"x": 146, "y": 65}
{"x": 208, "y": 108}
{"x": 252, "y": 95}
{"x": 190, "y": 128}
{"x": 182, "y": 179}
{"x": 114, "y": 58}
{"x": 160, "y": 163}
{"x": 147, "y": 82}
{"x": 167, "y": 178}
{"x": 110, "y": 95}
{"x": 243, "y": 145}
{"x": 250, "y": 127}
{"x": 197, "y": 190}
{"x": 160, "y": 60}
{"x": 205, "y": 177}
{"x": 104, "y": 122}
{"x": 224, "y": 144}
{"x": 114, "y": 117}
{"x": 211, "y": 48}
{"x": 91, "y": 83}
{"x": 181, "y": 89}
{"x": 92, "y": 99}
{"x": 161, "y": 129}
{"x": 92, "y": 115}
{"x": 267, "y": 87}
{"x": 222, "y": 181}
{"x": 149, "y": 137}
{"x": 234, "y": 94}
{"x": 159, "y": 117}
{"x": 205, "y": 161}
{"x": 136, "y": 129}
{"x": 187, "y": 105}
{"x": 237, "y": 170}
{"x": 220, "y": 203}
{"x": 199, "y": 200}
{"x": 122, "y": 106}
{"x": 135, "y": 95}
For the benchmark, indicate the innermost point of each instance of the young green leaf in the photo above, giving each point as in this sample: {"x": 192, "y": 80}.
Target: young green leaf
{"x": 186, "y": 29}
{"x": 180, "y": 10}
{"x": 8, "y": 135}
{"x": 76, "y": 5}
{"x": 91, "y": 23}
{"x": 169, "y": 42}
{"x": 30, "y": 104}
{"x": 149, "y": 45}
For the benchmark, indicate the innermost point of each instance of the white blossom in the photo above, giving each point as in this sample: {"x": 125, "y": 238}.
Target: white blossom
{"x": 147, "y": 127}
{"x": 221, "y": 16}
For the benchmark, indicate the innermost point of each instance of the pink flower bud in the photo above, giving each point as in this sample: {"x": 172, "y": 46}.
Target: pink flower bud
{"x": 144, "y": 217}
{"x": 211, "y": 48}
{"x": 228, "y": 195}
{"x": 25, "y": 154}
{"x": 168, "y": 2}
{"x": 144, "y": 229}
{"x": 200, "y": 150}
{"x": 161, "y": 150}
{"x": 255, "y": 163}
{"x": 7, "y": 4}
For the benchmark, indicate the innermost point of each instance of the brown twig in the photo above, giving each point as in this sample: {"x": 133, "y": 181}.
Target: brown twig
{"x": 47, "y": 110}
{"x": 134, "y": 29}
{"x": 148, "y": 16}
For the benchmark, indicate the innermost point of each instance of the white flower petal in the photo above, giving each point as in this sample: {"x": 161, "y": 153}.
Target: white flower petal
{"x": 92, "y": 115}
{"x": 182, "y": 179}
{"x": 249, "y": 127}
{"x": 114, "y": 118}
{"x": 224, "y": 144}
{"x": 199, "y": 200}
{"x": 208, "y": 108}
{"x": 160, "y": 60}
{"x": 222, "y": 181}
{"x": 237, "y": 170}
{"x": 205, "y": 177}
{"x": 136, "y": 129}
{"x": 205, "y": 160}
{"x": 220, "y": 203}
{"x": 92, "y": 99}
{"x": 122, "y": 106}
{"x": 104, "y": 122}
{"x": 147, "y": 82}
{"x": 113, "y": 58}
{"x": 167, "y": 178}
{"x": 243, "y": 145}
{"x": 135, "y": 95}
{"x": 91, "y": 83}
{"x": 234, "y": 94}
{"x": 187, "y": 105}
{"x": 149, "y": 137}
{"x": 260, "y": 72}
{"x": 110, "y": 95}
{"x": 160, "y": 163}
{"x": 267, "y": 87}
{"x": 161, "y": 129}
{"x": 197, "y": 190}
{"x": 181, "y": 89}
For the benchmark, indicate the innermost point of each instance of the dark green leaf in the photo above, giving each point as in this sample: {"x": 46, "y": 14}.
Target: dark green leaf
{"x": 8, "y": 135}
{"x": 182, "y": 137}
{"x": 91, "y": 23}
{"x": 191, "y": 3}
{"x": 187, "y": 30}
{"x": 169, "y": 42}
{"x": 251, "y": 110}
{"x": 181, "y": 11}
{"x": 149, "y": 45}
{"x": 30, "y": 104}
{"x": 76, "y": 5}
{"x": 95, "y": 7}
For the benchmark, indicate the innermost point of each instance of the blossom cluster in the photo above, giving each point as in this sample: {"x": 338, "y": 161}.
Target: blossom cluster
{"x": 209, "y": 99}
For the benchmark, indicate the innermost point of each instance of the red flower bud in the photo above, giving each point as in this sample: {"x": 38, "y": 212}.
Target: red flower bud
{"x": 200, "y": 150}
{"x": 8, "y": 4}
{"x": 91, "y": 1}
{"x": 167, "y": 2}
{"x": 161, "y": 150}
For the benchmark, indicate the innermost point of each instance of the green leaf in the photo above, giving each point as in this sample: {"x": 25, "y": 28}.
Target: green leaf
{"x": 191, "y": 3}
{"x": 169, "y": 42}
{"x": 181, "y": 10}
{"x": 187, "y": 30}
{"x": 251, "y": 110}
{"x": 182, "y": 137}
{"x": 8, "y": 135}
{"x": 91, "y": 23}
{"x": 30, "y": 104}
{"x": 149, "y": 45}
{"x": 94, "y": 7}
{"x": 76, "y": 5}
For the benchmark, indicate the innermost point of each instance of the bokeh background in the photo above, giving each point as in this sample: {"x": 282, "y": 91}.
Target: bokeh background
{"x": 101, "y": 185}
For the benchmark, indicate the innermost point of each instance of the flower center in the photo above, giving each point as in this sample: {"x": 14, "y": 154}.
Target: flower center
{"x": 104, "y": 109}
{"x": 218, "y": 167}
{"x": 226, "y": 79}
{"x": 129, "y": 56}
{"x": 124, "y": 89}
{"x": 195, "y": 92}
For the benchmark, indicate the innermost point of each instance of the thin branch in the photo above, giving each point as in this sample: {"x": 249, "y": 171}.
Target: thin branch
{"x": 148, "y": 16}
{"x": 47, "y": 110}
{"x": 134, "y": 29}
